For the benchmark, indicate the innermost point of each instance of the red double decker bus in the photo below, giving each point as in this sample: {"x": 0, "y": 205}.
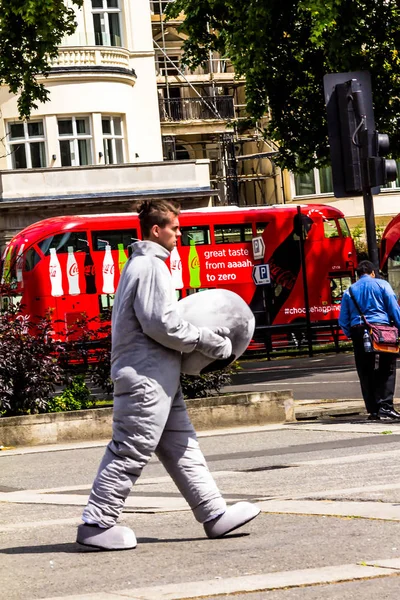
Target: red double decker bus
{"x": 390, "y": 253}
{"x": 72, "y": 264}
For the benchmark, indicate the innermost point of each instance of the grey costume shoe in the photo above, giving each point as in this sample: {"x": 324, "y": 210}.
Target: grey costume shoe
{"x": 113, "y": 538}
{"x": 235, "y": 516}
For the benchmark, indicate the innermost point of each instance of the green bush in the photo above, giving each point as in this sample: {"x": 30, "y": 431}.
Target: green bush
{"x": 360, "y": 239}
{"x": 29, "y": 368}
{"x": 201, "y": 386}
{"x": 76, "y": 396}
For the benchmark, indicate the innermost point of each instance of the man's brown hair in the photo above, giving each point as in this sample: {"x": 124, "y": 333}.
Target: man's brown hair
{"x": 155, "y": 212}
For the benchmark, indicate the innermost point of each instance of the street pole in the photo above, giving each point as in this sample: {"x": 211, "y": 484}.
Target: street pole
{"x": 368, "y": 199}
{"x": 370, "y": 228}
{"x": 305, "y": 285}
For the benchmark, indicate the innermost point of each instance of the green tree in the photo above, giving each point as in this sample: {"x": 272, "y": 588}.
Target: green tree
{"x": 30, "y": 31}
{"x": 284, "y": 48}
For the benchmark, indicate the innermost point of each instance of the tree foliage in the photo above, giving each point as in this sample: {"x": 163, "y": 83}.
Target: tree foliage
{"x": 284, "y": 48}
{"x": 30, "y": 32}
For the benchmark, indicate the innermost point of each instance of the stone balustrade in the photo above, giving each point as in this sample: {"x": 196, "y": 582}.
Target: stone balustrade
{"x": 92, "y": 56}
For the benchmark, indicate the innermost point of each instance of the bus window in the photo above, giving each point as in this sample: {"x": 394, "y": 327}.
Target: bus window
{"x": 260, "y": 228}
{"x": 113, "y": 238}
{"x": 338, "y": 286}
{"x": 344, "y": 228}
{"x": 6, "y": 302}
{"x": 62, "y": 241}
{"x": 32, "y": 258}
{"x": 330, "y": 228}
{"x": 9, "y": 263}
{"x": 106, "y": 302}
{"x": 191, "y": 291}
{"x": 393, "y": 267}
{"x": 232, "y": 234}
{"x": 200, "y": 235}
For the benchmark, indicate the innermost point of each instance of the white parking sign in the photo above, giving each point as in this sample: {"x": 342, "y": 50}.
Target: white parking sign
{"x": 261, "y": 274}
{"x": 258, "y": 247}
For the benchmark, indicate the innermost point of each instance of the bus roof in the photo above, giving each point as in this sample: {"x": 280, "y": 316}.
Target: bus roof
{"x": 65, "y": 222}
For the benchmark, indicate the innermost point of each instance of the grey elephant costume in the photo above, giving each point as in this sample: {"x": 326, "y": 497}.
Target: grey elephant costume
{"x": 150, "y": 416}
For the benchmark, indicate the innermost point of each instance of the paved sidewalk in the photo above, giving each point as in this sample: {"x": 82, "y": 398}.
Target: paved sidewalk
{"x": 311, "y": 409}
{"x": 329, "y": 527}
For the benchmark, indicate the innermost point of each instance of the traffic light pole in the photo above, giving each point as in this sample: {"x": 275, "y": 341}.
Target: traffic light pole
{"x": 370, "y": 228}
{"x": 356, "y": 148}
{"x": 368, "y": 200}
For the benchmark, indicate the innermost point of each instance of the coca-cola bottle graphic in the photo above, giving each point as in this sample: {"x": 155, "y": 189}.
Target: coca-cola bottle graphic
{"x": 55, "y": 274}
{"x": 108, "y": 271}
{"x": 72, "y": 273}
{"x": 6, "y": 258}
{"x": 122, "y": 257}
{"x": 284, "y": 266}
{"x": 19, "y": 265}
{"x": 176, "y": 269}
{"x": 89, "y": 270}
{"x": 194, "y": 266}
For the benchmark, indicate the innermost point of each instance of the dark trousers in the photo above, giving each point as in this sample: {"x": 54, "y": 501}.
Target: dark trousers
{"x": 377, "y": 374}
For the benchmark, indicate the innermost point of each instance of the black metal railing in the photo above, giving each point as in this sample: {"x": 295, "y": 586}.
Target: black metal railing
{"x": 196, "y": 109}
{"x": 289, "y": 338}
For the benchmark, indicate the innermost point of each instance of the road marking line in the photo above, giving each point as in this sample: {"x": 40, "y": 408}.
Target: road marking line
{"x": 336, "y": 492}
{"x": 330, "y": 508}
{"x": 348, "y": 459}
{"x": 250, "y": 583}
{"x": 303, "y": 383}
{"x": 46, "y": 523}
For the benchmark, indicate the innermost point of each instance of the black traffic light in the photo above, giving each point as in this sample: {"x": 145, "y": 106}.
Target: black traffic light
{"x": 356, "y": 149}
{"x": 380, "y": 170}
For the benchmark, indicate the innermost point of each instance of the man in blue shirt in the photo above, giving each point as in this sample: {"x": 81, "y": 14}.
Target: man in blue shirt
{"x": 376, "y": 371}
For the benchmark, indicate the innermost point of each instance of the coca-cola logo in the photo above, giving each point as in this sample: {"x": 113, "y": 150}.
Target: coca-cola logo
{"x": 108, "y": 269}
{"x": 176, "y": 264}
{"x": 73, "y": 270}
{"x": 282, "y": 277}
{"x": 53, "y": 271}
{"x": 195, "y": 263}
{"x": 89, "y": 270}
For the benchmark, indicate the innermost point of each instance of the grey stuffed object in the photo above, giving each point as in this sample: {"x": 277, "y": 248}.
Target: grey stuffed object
{"x": 216, "y": 309}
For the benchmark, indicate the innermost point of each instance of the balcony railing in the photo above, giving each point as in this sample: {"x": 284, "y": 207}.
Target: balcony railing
{"x": 197, "y": 109}
{"x": 75, "y": 56}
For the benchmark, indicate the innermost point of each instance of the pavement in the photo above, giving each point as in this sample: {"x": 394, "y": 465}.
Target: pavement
{"x": 329, "y": 525}
{"x": 328, "y": 487}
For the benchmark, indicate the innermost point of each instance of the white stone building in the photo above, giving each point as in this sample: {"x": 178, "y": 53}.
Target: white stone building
{"x": 97, "y": 143}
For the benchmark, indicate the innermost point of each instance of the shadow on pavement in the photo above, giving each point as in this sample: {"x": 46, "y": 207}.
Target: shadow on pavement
{"x": 74, "y": 548}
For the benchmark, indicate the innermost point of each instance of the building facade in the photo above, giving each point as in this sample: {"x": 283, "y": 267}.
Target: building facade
{"x": 202, "y": 115}
{"x": 242, "y": 162}
{"x": 126, "y": 120}
{"x": 96, "y": 145}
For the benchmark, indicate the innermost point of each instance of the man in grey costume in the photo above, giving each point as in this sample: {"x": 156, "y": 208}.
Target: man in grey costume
{"x": 148, "y": 339}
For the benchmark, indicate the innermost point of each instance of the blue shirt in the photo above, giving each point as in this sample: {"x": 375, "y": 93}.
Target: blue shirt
{"x": 376, "y": 300}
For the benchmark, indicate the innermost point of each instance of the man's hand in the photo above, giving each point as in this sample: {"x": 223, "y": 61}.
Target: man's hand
{"x": 213, "y": 344}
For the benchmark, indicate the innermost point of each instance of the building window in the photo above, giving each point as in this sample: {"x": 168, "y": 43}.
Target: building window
{"x": 317, "y": 181}
{"x": 107, "y": 22}
{"x": 75, "y": 141}
{"x": 165, "y": 67}
{"x": 113, "y": 140}
{"x": 158, "y": 6}
{"x": 27, "y": 145}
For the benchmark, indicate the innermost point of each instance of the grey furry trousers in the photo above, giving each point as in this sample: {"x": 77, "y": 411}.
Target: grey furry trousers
{"x": 140, "y": 428}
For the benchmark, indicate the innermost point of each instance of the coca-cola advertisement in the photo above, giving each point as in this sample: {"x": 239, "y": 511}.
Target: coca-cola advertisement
{"x": 90, "y": 274}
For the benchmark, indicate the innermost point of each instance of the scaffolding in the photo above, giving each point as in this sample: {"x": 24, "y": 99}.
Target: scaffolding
{"x": 198, "y": 121}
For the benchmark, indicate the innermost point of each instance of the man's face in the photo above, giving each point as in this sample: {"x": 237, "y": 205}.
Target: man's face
{"x": 168, "y": 235}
